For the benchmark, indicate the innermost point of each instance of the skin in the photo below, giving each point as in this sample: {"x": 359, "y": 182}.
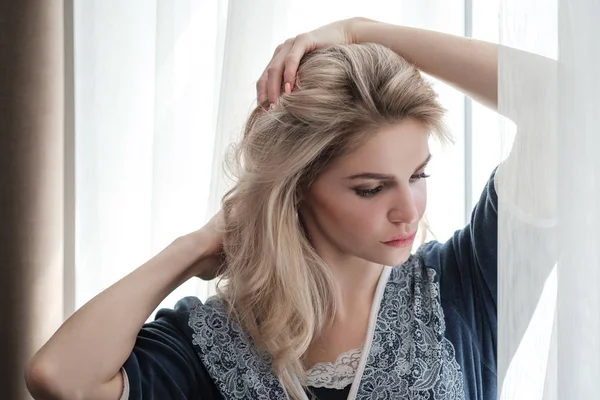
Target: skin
{"x": 348, "y": 230}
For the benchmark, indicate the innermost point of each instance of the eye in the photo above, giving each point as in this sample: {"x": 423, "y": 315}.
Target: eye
{"x": 417, "y": 177}
{"x": 369, "y": 192}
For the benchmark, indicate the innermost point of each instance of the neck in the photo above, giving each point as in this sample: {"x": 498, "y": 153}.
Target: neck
{"x": 357, "y": 281}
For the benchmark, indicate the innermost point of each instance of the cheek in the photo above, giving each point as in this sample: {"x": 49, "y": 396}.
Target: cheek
{"x": 350, "y": 215}
{"x": 420, "y": 197}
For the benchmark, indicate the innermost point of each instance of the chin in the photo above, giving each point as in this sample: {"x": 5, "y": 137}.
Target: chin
{"x": 400, "y": 259}
{"x": 392, "y": 260}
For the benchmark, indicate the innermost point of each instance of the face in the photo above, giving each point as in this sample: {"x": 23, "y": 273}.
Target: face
{"x": 367, "y": 205}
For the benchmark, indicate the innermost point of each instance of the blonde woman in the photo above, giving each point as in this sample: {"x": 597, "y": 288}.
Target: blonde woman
{"x": 320, "y": 296}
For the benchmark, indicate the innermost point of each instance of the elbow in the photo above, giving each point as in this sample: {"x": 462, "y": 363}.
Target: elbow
{"x": 43, "y": 384}
{"x": 38, "y": 381}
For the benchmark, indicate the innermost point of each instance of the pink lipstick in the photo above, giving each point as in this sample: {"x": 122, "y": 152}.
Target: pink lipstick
{"x": 401, "y": 241}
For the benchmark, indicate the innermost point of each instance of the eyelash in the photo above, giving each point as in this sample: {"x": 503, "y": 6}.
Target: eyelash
{"x": 374, "y": 191}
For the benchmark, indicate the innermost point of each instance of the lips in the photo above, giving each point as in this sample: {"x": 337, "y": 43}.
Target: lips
{"x": 402, "y": 238}
{"x": 401, "y": 241}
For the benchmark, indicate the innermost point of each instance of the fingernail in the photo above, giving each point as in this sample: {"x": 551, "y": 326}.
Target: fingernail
{"x": 272, "y": 106}
{"x": 288, "y": 88}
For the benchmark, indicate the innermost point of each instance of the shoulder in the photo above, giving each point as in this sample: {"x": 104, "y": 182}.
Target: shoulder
{"x": 433, "y": 255}
{"x": 197, "y": 318}
{"x": 192, "y": 307}
{"x": 179, "y": 315}
{"x": 196, "y": 322}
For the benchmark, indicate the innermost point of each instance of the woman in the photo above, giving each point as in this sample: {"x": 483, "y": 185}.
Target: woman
{"x": 330, "y": 191}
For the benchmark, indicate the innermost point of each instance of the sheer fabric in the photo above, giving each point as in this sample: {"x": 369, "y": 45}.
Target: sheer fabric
{"x": 548, "y": 268}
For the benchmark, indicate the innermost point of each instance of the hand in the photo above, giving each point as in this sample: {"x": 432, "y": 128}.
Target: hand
{"x": 287, "y": 56}
{"x": 207, "y": 242}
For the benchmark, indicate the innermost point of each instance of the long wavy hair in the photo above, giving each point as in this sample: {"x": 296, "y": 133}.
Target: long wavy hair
{"x": 276, "y": 287}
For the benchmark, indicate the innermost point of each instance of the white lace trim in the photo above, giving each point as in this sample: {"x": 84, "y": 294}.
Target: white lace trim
{"x": 336, "y": 375}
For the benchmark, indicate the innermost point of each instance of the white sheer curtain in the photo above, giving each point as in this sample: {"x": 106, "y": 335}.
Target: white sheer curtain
{"x": 549, "y": 225}
{"x": 146, "y": 79}
{"x": 155, "y": 82}
{"x": 163, "y": 87}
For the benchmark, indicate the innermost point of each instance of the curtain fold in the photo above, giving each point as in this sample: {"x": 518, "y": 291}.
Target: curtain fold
{"x": 549, "y": 223}
{"x": 31, "y": 183}
{"x": 578, "y": 362}
{"x": 145, "y": 128}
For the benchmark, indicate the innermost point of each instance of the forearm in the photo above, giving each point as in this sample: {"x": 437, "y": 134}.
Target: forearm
{"x": 92, "y": 345}
{"x": 469, "y": 65}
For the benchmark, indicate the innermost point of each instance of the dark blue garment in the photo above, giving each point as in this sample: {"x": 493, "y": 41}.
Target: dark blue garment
{"x": 467, "y": 269}
{"x": 164, "y": 363}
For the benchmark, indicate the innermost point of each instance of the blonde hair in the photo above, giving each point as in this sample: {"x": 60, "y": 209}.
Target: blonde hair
{"x": 277, "y": 288}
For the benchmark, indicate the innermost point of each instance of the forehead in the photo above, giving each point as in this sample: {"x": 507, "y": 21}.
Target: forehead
{"x": 392, "y": 149}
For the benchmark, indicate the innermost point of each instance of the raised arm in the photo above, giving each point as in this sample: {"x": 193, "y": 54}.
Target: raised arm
{"x": 469, "y": 65}
{"x": 84, "y": 357}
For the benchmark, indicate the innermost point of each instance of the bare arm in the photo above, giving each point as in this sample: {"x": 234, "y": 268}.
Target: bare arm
{"x": 469, "y": 65}
{"x": 83, "y": 358}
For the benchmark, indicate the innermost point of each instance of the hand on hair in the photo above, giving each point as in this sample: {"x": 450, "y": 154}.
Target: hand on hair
{"x": 280, "y": 73}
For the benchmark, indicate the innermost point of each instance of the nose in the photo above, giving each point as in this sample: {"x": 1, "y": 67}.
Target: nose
{"x": 404, "y": 207}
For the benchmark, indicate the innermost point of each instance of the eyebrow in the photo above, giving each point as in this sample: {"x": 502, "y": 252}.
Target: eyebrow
{"x": 376, "y": 176}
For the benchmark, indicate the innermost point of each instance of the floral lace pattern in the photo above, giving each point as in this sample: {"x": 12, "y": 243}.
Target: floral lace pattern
{"x": 229, "y": 355}
{"x": 335, "y": 375}
{"x": 409, "y": 357}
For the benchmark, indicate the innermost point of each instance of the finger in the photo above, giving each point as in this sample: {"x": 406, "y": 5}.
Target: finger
{"x": 261, "y": 90}
{"x": 261, "y": 84}
{"x": 275, "y": 72}
{"x": 292, "y": 60}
